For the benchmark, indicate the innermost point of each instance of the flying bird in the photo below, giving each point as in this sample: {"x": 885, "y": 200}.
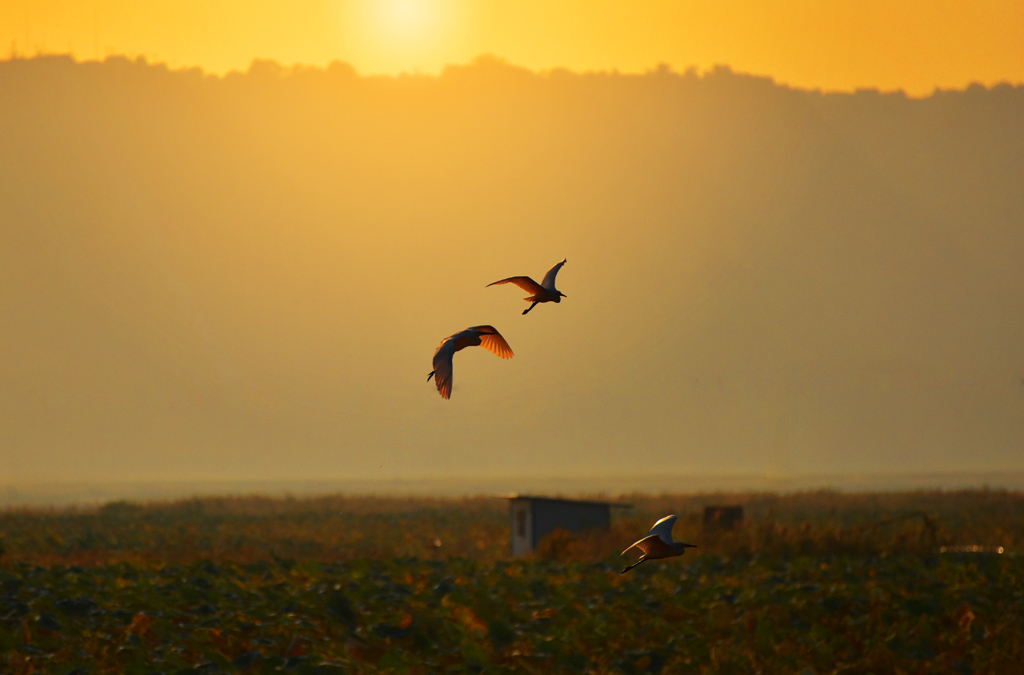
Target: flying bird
{"x": 545, "y": 291}
{"x": 485, "y": 336}
{"x": 658, "y": 543}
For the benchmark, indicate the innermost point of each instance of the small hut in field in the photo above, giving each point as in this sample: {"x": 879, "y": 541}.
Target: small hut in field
{"x": 535, "y": 517}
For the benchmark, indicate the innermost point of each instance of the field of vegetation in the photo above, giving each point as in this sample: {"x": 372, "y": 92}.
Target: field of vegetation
{"x": 818, "y": 582}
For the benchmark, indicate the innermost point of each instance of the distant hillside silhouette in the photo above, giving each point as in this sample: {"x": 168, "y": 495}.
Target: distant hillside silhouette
{"x": 245, "y": 276}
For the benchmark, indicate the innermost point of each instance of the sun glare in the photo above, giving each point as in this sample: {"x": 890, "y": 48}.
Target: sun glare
{"x": 393, "y": 35}
{"x": 405, "y": 18}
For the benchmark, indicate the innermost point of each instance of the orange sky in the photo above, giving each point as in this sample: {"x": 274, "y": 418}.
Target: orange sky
{"x": 246, "y": 278}
{"x": 914, "y": 45}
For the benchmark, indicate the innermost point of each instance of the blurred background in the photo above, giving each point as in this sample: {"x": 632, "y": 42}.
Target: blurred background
{"x": 213, "y": 276}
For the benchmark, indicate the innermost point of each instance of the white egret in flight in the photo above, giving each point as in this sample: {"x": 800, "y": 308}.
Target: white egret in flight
{"x": 485, "y": 336}
{"x": 658, "y": 543}
{"x": 545, "y": 291}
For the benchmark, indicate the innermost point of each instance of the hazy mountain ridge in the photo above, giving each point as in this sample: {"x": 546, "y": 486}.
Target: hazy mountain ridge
{"x": 203, "y": 272}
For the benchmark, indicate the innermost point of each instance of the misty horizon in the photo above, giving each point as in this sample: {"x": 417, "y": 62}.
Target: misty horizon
{"x": 608, "y": 486}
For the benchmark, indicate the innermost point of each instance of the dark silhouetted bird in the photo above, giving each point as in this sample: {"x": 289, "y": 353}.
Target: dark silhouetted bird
{"x": 545, "y": 291}
{"x": 485, "y": 336}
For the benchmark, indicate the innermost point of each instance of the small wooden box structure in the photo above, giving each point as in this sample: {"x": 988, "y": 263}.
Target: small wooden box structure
{"x": 535, "y": 517}
{"x": 722, "y": 517}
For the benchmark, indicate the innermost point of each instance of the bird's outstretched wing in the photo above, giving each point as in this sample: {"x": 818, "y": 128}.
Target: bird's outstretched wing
{"x": 549, "y": 278}
{"x": 492, "y": 341}
{"x": 651, "y": 546}
{"x": 443, "y": 368}
{"x": 663, "y": 528}
{"x": 525, "y": 283}
{"x": 443, "y": 378}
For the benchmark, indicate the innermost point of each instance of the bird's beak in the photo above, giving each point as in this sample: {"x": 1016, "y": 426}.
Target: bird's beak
{"x": 690, "y": 545}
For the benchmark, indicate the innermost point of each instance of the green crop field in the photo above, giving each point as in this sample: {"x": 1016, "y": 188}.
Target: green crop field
{"x": 816, "y": 583}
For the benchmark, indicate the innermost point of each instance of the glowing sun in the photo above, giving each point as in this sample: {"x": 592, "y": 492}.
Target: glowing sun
{"x": 406, "y": 20}
{"x": 398, "y": 35}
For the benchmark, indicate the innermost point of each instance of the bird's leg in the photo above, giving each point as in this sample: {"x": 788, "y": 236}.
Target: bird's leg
{"x": 431, "y": 375}
{"x": 530, "y": 307}
{"x": 629, "y": 567}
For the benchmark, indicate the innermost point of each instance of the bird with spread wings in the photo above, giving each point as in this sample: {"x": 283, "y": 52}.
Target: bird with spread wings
{"x": 486, "y": 336}
{"x": 545, "y": 291}
{"x": 658, "y": 543}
